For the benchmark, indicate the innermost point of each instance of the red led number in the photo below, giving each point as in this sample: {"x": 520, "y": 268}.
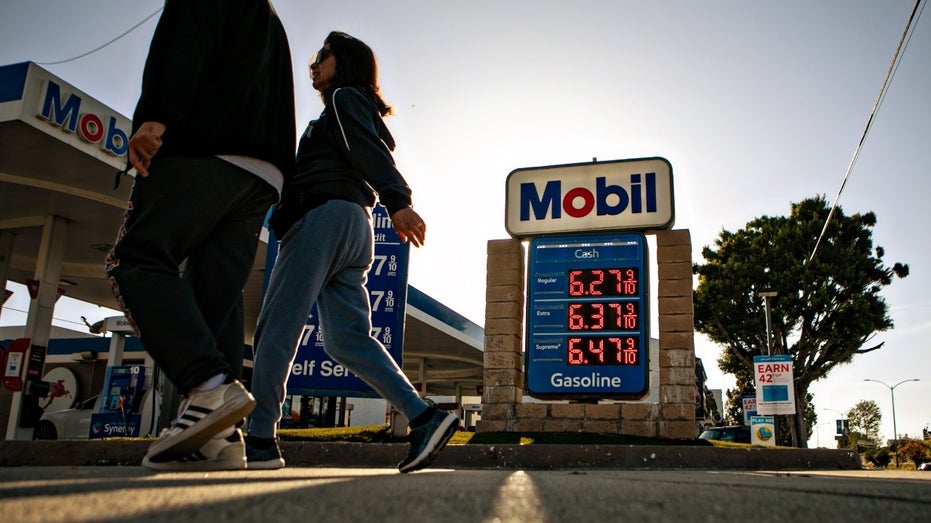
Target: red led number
{"x": 603, "y": 282}
{"x": 603, "y": 350}
{"x": 628, "y": 281}
{"x": 599, "y": 316}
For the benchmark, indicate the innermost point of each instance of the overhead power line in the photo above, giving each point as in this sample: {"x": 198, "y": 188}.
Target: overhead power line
{"x": 890, "y": 73}
{"x": 131, "y": 29}
{"x": 12, "y": 309}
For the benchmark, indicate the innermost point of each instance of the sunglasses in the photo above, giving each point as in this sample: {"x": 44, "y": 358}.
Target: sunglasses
{"x": 321, "y": 55}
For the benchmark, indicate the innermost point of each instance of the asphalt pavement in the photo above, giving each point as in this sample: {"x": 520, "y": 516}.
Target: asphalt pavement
{"x": 100, "y": 481}
{"x": 111, "y": 494}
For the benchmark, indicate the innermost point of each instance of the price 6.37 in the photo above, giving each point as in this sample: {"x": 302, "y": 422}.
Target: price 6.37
{"x": 603, "y": 316}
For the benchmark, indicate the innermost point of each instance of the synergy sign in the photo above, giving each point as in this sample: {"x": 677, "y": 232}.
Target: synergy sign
{"x": 616, "y": 195}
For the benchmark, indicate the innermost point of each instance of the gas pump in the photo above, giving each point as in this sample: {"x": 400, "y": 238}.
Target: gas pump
{"x": 14, "y": 365}
{"x": 128, "y": 404}
{"x": 22, "y": 374}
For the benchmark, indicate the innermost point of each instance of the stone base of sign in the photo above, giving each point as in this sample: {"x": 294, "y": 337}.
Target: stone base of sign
{"x": 671, "y": 417}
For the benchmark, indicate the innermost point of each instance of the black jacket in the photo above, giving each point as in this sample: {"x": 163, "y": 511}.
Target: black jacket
{"x": 345, "y": 154}
{"x": 219, "y": 77}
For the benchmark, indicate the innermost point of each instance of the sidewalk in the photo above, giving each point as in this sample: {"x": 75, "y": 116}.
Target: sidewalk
{"x": 525, "y": 457}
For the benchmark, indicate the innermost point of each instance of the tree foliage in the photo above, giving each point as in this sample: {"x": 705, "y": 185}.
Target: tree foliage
{"x": 864, "y": 419}
{"x": 916, "y": 451}
{"x": 827, "y": 309}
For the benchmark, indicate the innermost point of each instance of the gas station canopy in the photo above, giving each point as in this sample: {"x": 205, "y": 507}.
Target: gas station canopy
{"x": 49, "y": 167}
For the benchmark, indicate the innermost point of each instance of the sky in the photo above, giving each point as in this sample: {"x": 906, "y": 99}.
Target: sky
{"x": 756, "y": 105}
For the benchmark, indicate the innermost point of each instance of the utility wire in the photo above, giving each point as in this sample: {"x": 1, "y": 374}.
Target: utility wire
{"x": 131, "y": 29}
{"x": 54, "y": 318}
{"x": 879, "y": 97}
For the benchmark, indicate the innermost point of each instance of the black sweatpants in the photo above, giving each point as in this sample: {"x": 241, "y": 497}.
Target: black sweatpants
{"x": 208, "y": 213}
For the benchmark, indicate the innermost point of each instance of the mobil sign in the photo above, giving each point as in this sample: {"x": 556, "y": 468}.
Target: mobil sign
{"x": 40, "y": 99}
{"x": 69, "y": 111}
{"x": 616, "y": 195}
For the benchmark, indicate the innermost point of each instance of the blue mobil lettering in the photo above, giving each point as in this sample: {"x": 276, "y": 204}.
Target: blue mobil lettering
{"x": 593, "y": 381}
{"x": 577, "y": 202}
{"x": 66, "y": 114}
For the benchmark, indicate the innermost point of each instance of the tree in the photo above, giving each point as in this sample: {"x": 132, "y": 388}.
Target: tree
{"x": 916, "y": 451}
{"x": 827, "y": 310}
{"x": 864, "y": 420}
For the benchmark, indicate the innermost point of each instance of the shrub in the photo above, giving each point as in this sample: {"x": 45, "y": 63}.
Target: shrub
{"x": 879, "y": 457}
{"x": 916, "y": 451}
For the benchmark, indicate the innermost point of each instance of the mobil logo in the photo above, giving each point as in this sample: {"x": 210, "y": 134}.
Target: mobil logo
{"x": 599, "y": 196}
{"x": 639, "y": 196}
{"x": 64, "y": 109}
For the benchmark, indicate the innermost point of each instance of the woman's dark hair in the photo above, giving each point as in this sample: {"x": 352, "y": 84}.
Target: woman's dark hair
{"x": 355, "y": 67}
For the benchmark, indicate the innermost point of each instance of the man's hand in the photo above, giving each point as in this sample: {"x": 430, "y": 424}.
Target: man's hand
{"x": 144, "y": 145}
{"x": 409, "y": 226}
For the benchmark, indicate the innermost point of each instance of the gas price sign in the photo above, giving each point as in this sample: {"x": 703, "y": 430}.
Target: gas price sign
{"x": 587, "y": 328}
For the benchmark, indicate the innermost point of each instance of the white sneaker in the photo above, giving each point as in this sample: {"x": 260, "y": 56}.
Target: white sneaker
{"x": 220, "y": 453}
{"x": 202, "y": 416}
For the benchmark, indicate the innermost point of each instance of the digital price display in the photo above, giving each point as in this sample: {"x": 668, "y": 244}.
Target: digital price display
{"x": 587, "y": 328}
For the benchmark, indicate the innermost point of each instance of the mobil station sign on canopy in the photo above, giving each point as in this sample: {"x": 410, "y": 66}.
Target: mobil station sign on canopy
{"x": 41, "y": 100}
{"x": 599, "y": 196}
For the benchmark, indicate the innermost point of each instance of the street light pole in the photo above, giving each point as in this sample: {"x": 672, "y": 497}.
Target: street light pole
{"x": 895, "y": 431}
{"x": 769, "y": 323}
{"x": 797, "y": 426}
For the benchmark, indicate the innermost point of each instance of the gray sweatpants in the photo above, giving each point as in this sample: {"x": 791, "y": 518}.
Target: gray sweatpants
{"x": 324, "y": 257}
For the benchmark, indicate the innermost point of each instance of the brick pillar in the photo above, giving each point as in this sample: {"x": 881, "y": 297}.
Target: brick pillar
{"x": 676, "y": 335}
{"x": 504, "y": 312}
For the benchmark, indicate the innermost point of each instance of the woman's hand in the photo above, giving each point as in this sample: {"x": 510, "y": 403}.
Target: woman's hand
{"x": 409, "y": 226}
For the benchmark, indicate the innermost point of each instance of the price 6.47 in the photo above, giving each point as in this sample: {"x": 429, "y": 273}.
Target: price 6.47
{"x": 603, "y": 350}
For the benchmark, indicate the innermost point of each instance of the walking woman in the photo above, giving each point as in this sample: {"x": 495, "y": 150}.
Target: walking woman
{"x": 324, "y": 221}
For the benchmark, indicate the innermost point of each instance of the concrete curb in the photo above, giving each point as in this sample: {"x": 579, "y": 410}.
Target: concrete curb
{"x": 529, "y": 457}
